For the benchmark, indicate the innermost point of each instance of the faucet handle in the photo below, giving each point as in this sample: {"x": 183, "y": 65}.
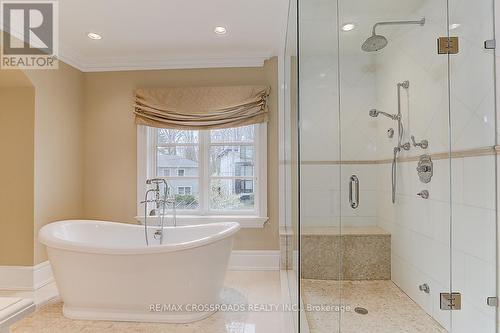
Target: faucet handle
{"x": 422, "y": 144}
{"x": 424, "y": 194}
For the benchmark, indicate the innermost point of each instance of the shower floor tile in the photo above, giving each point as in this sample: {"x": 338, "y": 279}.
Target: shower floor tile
{"x": 389, "y": 309}
{"x": 240, "y": 286}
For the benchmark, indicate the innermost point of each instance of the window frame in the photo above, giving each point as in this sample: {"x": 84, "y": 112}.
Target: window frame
{"x": 146, "y": 168}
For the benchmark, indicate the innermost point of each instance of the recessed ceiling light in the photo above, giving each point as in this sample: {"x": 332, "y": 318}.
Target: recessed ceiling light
{"x": 93, "y": 35}
{"x": 348, "y": 26}
{"x": 454, "y": 26}
{"x": 220, "y": 30}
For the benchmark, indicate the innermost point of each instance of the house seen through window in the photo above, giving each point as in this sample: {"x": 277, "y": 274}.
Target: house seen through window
{"x": 209, "y": 171}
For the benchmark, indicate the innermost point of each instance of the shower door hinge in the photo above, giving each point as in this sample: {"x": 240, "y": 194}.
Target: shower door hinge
{"x": 447, "y": 45}
{"x": 492, "y": 301}
{"x": 450, "y": 301}
{"x": 490, "y": 44}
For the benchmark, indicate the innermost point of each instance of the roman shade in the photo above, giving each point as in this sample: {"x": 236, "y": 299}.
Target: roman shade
{"x": 201, "y": 107}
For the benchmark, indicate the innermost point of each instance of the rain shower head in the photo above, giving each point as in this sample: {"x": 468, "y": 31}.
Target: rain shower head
{"x": 374, "y": 43}
{"x": 377, "y": 42}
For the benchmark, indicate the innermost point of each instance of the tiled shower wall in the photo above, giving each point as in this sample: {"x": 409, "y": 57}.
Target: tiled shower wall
{"x": 420, "y": 232}
{"x": 324, "y": 201}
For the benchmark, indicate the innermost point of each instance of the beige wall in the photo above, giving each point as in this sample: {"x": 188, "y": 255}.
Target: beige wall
{"x": 58, "y": 148}
{"x": 109, "y": 164}
{"x": 17, "y": 113}
{"x": 75, "y": 154}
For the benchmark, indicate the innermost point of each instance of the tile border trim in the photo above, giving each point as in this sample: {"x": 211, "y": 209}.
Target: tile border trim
{"x": 483, "y": 151}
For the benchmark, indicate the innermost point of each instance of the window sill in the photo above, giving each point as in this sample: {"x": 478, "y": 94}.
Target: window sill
{"x": 244, "y": 221}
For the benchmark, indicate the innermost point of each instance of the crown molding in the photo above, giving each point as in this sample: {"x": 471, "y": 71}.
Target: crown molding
{"x": 120, "y": 63}
{"x": 108, "y": 64}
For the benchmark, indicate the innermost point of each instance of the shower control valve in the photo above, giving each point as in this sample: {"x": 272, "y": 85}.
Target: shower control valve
{"x": 425, "y": 168}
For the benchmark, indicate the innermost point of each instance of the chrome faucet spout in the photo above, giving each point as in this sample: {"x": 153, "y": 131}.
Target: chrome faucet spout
{"x": 161, "y": 202}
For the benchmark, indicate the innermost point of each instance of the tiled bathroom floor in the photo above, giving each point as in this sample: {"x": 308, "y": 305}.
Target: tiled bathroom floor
{"x": 389, "y": 309}
{"x": 247, "y": 286}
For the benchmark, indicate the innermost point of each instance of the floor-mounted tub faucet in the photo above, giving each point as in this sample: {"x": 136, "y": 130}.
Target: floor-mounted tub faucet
{"x": 160, "y": 204}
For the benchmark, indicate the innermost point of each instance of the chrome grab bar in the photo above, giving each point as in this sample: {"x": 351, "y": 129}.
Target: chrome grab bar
{"x": 354, "y": 180}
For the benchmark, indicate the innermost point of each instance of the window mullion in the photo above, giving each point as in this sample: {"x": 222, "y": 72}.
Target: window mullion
{"x": 204, "y": 181}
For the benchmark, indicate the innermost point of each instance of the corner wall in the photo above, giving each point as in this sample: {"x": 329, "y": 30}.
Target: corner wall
{"x": 110, "y": 163}
{"x": 17, "y": 121}
{"x": 58, "y": 148}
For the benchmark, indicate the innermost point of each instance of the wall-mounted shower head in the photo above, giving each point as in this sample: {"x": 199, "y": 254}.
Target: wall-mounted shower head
{"x": 374, "y": 43}
{"x": 377, "y": 42}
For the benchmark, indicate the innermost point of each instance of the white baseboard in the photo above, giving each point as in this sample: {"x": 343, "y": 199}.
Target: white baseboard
{"x": 29, "y": 278}
{"x": 42, "y": 274}
{"x": 25, "y": 278}
{"x": 257, "y": 260}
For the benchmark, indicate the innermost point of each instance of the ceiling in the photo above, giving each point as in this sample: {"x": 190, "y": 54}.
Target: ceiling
{"x": 154, "y": 34}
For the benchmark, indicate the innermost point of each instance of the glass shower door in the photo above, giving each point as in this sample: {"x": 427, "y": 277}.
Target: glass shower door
{"x": 397, "y": 165}
{"x": 320, "y": 187}
{"x": 473, "y": 182}
{"x": 394, "y": 118}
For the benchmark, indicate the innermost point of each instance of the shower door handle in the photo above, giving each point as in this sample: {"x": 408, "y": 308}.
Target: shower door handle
{"x": 354, "y": 182}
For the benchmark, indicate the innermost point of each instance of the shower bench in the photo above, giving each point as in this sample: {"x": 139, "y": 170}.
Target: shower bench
{"x": 365, "y": 253}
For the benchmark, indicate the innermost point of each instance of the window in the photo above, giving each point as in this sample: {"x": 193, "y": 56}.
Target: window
{"x": 184, "y": 190}
{"x": 165, "y": 172}
{"x": 212, "y": 172}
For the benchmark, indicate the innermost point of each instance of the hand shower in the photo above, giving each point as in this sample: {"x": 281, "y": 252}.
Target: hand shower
{"x": 406, "y": 146}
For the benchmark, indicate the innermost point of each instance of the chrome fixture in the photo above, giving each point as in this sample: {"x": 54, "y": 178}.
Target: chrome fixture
{"x": 422, "y": 144}
{"x": 424, "y": 194}
{"x": 425, "y": 288}
{"x": 160, "y": 204}
{"x": 490, "y": 44}
{"x": 377, "y": 42}
{"x": 374, "y": 113}
{"x": 405, "y": 146}
{"x": 354, "y": 202}
{"x": 425, "y": 168}
{"x": 492, "y": 301}
{"x": 390, "y": 133}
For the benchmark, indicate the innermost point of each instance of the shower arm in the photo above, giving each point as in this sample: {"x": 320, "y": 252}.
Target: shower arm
{"x": 420, "y": 22}
{"x": 392, "y": 116}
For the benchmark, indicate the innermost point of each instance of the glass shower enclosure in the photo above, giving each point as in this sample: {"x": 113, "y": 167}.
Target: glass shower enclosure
{"x": 391, "y": 165}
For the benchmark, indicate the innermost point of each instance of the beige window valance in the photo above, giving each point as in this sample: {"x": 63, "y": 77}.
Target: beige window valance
{"x": 201, "y": 107}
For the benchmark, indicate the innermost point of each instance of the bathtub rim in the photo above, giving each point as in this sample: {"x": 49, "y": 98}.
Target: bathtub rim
{"x": 46, "y": 237}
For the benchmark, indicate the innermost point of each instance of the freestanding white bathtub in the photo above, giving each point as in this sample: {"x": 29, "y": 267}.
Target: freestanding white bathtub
{"x": 105, "y": 271}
